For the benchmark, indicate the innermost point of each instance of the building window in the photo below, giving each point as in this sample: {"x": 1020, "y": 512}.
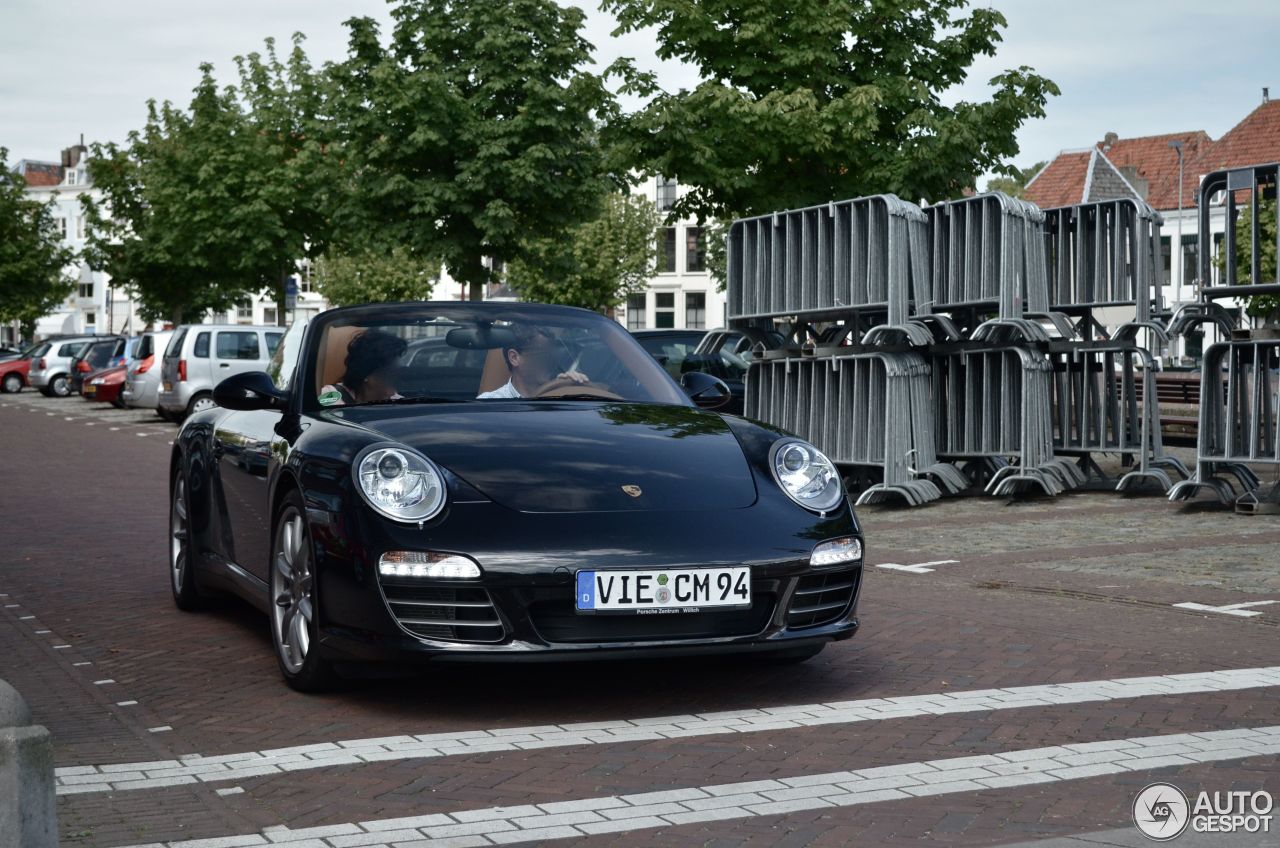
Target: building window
{"x": 1166, "y": 257}
{"x": 244, "y": 312}
{"x": 86, "y": 290}
{"x": 664, "y": 310}
{"x": 269, "y": 315}
{"x": 72, "y": 176}
{"x": 1190, "y": 269}
{"x": 80, "y": 227}
{"x": 695, "y": 310}
{"x": 667, "y": 250}
{"x": 61, "y": 224}
{"x": 90, "y": 319}
{"x": 695, "y": 256}
{"x": 666, "y": 194}
{"x": 636, "y": 306}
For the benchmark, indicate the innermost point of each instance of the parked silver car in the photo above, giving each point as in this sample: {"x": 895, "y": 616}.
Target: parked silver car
{"x": 200, "y": 356}
{"x": 51, "y": 369}
{"x": 142, "y": 377}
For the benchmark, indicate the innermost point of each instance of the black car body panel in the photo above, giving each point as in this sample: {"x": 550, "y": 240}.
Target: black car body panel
{"x": 534, "y": 495}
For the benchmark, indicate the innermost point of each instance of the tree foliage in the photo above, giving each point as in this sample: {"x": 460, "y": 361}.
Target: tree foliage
{"x": 471, "y": 134}
{"x": 597, "y": 263}
{"x": 369, "y": 277}
{"x": 808, "y": 101}
{"x": 1015, "y": 185}
{"x": 207, "y": 205}
{"x": 33, "y": 261}
{"x": 1264, "y": 306}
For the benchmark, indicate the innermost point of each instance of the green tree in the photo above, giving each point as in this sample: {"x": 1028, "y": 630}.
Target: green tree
{"x": 473, "y": 133}
{"x": 596, "y": 264}
{"x": 208, "y": 205}
{"x": 33, "y": 261}
{"x": 1015, "y": 185}
{"x": 372, "y": 277}
{"x": 1263, "y": 306}
{"x": 806, "y": 102}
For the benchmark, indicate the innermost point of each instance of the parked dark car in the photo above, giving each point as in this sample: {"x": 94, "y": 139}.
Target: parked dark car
{"x": 723, "y": 354}
{"x": 101, "y": 354}
{"x": 105, "y": 386}
{"x": 499, "y": 481}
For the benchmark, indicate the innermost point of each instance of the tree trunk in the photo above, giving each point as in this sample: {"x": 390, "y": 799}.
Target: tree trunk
{"x": 475, "y": 291}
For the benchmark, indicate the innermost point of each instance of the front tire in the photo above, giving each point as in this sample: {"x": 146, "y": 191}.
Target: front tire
{"x": 182, "y": 577}
{"x": 12, "y": 384}
{"x": 59, "y": 386}
{"x": 294, "y": 604}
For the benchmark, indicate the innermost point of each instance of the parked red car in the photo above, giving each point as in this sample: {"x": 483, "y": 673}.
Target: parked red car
{"x": 105, "y": 386}
{"x": 13, "y": 374}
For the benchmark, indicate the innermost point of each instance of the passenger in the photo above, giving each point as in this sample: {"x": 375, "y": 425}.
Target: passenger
{"x": 372, "y": 359}
{"x": 533, "y": 363}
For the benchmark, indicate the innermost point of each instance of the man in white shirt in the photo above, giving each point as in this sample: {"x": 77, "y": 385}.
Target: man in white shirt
{"x": 533, "y": 363}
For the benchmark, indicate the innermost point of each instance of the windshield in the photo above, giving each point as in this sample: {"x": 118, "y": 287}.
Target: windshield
{"x": 483, "y": 353}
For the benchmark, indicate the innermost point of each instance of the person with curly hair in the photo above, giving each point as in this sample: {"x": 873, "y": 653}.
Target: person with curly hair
{"x": 372, "y": 360}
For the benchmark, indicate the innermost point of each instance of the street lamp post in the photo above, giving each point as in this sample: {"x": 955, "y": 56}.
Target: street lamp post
{"x": 1182, "y": 265}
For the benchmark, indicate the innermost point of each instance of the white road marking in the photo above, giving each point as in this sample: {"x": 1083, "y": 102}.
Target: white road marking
{"x": 161, "y": 729}
{"x": 916, "y": 568}
{"x": 238, "y": 766}
{"x": 43, "y": 632}
{"x": 82, "y": 663}
{"x": 125, "y": 703}
{"x": 60, "y": 647}
{"x": 234, "y": 790}
{"x": 25, "y": 617}
{"x": 744, "y": 800}
{"x": 103, "y": 682}
{"x": 1241, "y": 610}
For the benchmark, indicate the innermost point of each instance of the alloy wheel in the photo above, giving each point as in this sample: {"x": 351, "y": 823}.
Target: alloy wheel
{"x": 179, "y": 536}
{"x": 12, "y": 383}
{"x": 61, "y": 387}
{"x": 292, "y": 591}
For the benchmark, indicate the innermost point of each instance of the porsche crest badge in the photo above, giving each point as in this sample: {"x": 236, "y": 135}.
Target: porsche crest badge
{"x": 632, "y": 490}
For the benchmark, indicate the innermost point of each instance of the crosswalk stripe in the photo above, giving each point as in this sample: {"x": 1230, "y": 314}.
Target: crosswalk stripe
{"x": 209, "y": 769}
{"x": 648, "y": 810}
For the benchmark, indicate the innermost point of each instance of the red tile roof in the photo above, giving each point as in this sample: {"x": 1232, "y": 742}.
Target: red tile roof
{"x": 1150, "y": 160}
{"x": 1061, "y": 182}
{"x": 41, "y": 173}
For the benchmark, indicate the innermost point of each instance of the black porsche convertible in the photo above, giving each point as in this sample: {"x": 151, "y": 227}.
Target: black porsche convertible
{"x": 496, "y": 481}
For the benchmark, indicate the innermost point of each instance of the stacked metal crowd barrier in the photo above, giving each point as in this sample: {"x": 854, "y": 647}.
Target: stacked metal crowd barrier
{"x": 1239, "y": 418}
{"x": 957, "y": 349}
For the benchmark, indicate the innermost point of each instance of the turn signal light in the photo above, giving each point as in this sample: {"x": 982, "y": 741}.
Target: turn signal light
{"x": 429, "y": 564}
{"x": 42, "y": 364}
{"x": 145, "y": 365}
{"x": 836, "y": 552}
{"x": 182, "y": 370}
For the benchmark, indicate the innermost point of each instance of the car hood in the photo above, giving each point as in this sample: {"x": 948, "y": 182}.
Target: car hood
{"x": 576, "y": 456}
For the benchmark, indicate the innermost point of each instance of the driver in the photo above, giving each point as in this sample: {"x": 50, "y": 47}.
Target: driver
{"x": 532, "y": 362}
{"x": 372, "y": 360}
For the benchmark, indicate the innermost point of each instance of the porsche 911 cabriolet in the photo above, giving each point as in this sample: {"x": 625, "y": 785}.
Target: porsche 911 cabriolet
{"x": 495, "y": 481}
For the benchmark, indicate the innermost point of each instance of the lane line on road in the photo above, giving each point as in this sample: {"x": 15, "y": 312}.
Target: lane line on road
{"x": 648, "y": 810}
{"x": 1240, "y": 610}
{"x": 238, "y": 766}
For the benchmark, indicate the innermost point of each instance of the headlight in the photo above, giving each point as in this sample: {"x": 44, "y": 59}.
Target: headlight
{"x": 96, "y": 382}
{"x": 806, "y": 475}
{"x": 400, "y": 483}
{"x": 836, "y": 552}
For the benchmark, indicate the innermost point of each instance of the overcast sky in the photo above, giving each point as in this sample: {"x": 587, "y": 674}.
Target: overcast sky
{"x": 1135, "y": 67}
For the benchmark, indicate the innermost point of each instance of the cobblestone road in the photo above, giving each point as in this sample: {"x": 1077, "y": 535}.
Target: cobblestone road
{"x": 1023, "y": 669}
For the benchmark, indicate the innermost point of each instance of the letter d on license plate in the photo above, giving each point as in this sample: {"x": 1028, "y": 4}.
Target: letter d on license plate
{"x": 660, "y": 590}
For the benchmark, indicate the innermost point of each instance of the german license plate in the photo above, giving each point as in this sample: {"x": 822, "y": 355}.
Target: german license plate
{"x": 90, "y": 390}
{"x": 661, "y": 591}
{"x": 168, "y": 387}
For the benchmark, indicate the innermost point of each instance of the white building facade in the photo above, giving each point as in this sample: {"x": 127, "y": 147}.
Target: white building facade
{"x": 682, "y": 294}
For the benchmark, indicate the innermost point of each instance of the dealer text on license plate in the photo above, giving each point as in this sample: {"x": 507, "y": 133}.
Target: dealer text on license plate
{"x": 660, "y": 591}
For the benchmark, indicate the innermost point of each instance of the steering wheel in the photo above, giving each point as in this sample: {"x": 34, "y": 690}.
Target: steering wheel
{"x": 564, "y": 387}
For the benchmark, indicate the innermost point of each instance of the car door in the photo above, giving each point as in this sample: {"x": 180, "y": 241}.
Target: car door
{"x": 236, "y": 352}
{"x": 246, "y": 445}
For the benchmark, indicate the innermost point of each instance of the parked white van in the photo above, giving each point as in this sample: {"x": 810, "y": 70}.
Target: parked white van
{"x": 200, "y": 356}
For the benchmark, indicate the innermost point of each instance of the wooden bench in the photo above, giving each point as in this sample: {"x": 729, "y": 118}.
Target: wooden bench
{"x": 1179, "y": 389}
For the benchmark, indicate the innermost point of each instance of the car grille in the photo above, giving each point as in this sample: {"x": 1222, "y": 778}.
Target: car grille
{"x": 558, "y": 621}
{"x": 822, "y": 598}
{"x": 449, "y": 613}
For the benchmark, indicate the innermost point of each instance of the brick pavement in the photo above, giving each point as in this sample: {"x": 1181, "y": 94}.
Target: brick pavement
{"x": 1014, "y": 611}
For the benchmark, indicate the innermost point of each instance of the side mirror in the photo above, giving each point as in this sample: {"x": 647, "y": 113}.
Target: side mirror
{"x": 251, "y": 390}
{"x": 704, "y": 390}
